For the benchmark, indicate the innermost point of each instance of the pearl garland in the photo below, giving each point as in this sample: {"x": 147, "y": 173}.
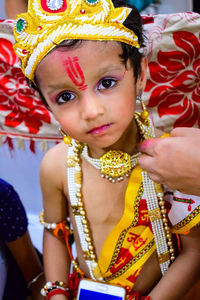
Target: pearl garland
{"x": 161, "y": 231}
{"x": 74, "y": 187}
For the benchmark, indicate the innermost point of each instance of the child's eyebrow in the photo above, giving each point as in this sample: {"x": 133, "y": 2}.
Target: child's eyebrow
{"x": 111, "y": 68}
{"x": 58, "y": 86}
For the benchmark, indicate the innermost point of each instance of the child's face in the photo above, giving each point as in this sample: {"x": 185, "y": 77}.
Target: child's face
{"x": 90, "y": 92}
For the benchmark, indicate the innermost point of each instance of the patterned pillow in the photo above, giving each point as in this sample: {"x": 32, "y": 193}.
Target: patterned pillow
{"x": 172, "y": 91}
{"x": 22, "y": 113}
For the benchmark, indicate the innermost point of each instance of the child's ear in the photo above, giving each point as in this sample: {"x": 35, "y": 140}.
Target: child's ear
{"x": 141, "y": 81}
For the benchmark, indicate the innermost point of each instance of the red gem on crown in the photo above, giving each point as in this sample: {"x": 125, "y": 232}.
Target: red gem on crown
{"x": 54, "y": 6}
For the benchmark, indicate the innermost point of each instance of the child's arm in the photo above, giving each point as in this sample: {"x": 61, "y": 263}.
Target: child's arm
{"x": 183, "y": 273}
{"x": 56, "y": 258}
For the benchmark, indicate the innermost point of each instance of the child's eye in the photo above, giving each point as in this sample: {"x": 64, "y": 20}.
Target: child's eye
{"x": 65, "y": 97}
{"x": 107, "y": 83}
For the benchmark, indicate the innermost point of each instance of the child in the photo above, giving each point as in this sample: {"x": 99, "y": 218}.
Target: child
{"x": 85, "y": 60}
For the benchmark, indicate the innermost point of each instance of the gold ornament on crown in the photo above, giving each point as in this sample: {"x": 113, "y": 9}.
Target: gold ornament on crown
{"x": 50, "y": 22}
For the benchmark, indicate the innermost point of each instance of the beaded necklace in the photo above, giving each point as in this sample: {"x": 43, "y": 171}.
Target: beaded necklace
{"x": 155, "y": 204}
{"x": 113, "y": 165}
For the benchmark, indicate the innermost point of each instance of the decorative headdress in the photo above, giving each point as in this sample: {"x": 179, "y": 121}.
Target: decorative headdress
{"x": 49, "y": 22}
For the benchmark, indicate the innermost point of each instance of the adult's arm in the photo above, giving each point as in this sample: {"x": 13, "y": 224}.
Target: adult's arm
{"x": 174, "y": 160}
{"x": 14, "y": 233}
{"x": 28, "y": 261}
{"x": 14, "y": 7}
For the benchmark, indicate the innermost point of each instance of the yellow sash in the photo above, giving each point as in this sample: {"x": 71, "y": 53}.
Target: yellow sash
{"x": 131, "y": 242}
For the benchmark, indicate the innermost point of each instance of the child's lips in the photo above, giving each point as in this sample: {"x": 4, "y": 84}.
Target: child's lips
{"x": 99, "y": 130}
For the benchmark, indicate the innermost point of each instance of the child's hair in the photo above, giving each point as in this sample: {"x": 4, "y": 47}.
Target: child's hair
{"x": 132, "y": 22}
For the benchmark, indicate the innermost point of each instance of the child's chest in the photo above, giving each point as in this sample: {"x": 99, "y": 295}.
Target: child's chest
{"x": 104, "y": 206}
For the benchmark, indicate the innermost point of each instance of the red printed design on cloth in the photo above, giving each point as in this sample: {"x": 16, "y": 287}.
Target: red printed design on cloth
{"x": 124, "y": 257}
{"x": 6, "y": 21}
{"x": 143, "y": 217}
{"x": 174, "y": 83}
{"x": 18, "y": 102}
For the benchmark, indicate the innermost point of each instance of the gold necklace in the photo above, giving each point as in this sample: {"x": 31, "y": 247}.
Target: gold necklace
{"x": 114, "y": 165}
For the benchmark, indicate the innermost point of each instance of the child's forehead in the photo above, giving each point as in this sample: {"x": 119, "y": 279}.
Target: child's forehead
{"x": 85, "y": 48}
{"x": 93, "y": 59}
{"x": 88, "y": 53}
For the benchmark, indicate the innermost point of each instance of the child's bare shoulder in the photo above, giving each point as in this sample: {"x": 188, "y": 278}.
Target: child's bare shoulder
{"x": 53, "y": 163}
{"x": 53, "y": 182}
{"x": 53, "y": 156}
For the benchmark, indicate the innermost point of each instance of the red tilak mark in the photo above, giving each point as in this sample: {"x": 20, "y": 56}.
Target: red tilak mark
{"x": 75, "y": 73}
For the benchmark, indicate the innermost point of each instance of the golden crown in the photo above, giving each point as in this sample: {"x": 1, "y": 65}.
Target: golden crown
{"x": 49, "y": 22}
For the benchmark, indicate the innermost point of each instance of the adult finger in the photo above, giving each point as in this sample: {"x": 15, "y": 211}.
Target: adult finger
{"x": 148, "y": 146}
{"x": 184, "y": 131}
{"x": 155, "y": 177}
{"x": 146, "y": 162}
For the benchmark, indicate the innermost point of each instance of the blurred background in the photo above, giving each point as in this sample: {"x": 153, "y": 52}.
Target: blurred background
{"x": 166, "y": 6}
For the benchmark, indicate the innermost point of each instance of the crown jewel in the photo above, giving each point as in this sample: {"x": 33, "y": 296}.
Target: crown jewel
{"x": 54, "y": 4}
{"x": 49, "y": 22}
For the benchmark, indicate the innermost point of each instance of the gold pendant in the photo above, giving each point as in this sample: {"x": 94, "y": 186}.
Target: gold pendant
{"x": 115, "y": 164}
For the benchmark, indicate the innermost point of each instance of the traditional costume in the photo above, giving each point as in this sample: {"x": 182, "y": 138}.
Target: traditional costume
{"x": 144, "y": 226}
{"x": 150, "y": 216}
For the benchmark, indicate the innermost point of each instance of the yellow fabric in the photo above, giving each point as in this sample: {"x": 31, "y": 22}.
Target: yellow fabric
{"x": 136, "y": 241}
{"x": 188, "y": 223}
{"x": 165, "y": 135}
{"x": 130, "y": 243}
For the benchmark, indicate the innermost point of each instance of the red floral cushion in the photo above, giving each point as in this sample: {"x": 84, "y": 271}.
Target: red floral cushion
{"x": 22, "y": 113}
{"x": 172, "y": 91}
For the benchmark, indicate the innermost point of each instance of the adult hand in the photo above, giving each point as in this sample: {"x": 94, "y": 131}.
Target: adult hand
{"x": 174, "y": 160}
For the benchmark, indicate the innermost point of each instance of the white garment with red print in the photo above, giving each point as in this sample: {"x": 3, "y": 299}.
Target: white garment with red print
{"x": 172, "y": 91}
{"x": 185, "y": 210}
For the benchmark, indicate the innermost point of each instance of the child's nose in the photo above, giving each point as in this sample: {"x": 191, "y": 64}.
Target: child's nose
{"x": 92, "y": 107}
